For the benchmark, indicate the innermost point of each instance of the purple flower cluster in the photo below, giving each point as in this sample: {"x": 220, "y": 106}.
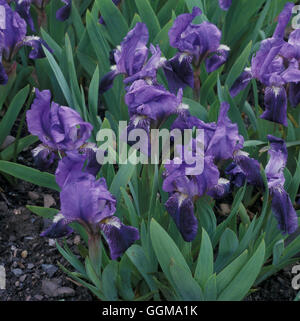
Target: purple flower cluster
{"x": 276, "y": 66}
{"x": 13, "y": 35}
{"x": 221, "y": 142}
{"x": 84, "y": 199}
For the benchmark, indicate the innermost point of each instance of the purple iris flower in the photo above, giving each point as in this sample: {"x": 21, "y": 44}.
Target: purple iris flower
{"x": 77, "y": 164}
{"x": 282, "y": 206}
{"x": 152, "y": 102}
{"x": 220, "y": 190}
{"x": 275, "y": 65}
{"x": 197, "y": 40}
{"x": 225, "y": 139}
{"x": 196, "y": 43}
{"x": 59, "y": 128}
{"x": 129, "y": 57}
{"x": 221, "y": 139}
{"x": 23, "y": 8}
{"x": 179, "y": 72}
{"x": 241, "y": 82}
{"x": 225, "y": 4}
{"x": 184, "y": 189}
{"x": 13, "y": 37}
{"x": 149, "y": 70}
{"x": 244, "y": 168}
{"x": 88, "y": 202}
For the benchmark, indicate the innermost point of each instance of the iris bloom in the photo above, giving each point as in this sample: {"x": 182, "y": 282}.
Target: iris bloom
{"x": 282, "y": 206}
{"x": 184, "y": 189}
{"x": 59, "y": 128}
{"x": 87, "y": 201}
{"x": 129, "y": 57}
{"x": 275, "y": 65}
{"x": 13, "y": 31}
{"x": 201, "y": 42}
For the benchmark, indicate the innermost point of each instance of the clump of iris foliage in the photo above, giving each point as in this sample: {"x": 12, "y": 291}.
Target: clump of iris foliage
{"x": 152, "y": 232}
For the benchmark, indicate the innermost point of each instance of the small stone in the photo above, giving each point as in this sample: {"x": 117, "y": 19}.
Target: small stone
{"x": 33, "y": 196}
{"x": 51, "y": 242}
{"x": 22, "y": 278}
{"x": 7, "y": 141}
{"x": 24, "y": 254}
{"x": 38, "y": 297}
{"x": 49, "y": 269}
{"x": 65, "y": 291}
{"x": 76, "y": 240}
{"x": 17, "y": 211}
{"x": 225, "y": 208}
{"x": 30, "y": 266}
{"x": 3, "y": 207}
{"x": 2, "y": 278}
{"x": 50, "y": 288}
{"x": 17, "y": 272}
{"x": 17, "y": 283}
{"x": 49, "y": 200}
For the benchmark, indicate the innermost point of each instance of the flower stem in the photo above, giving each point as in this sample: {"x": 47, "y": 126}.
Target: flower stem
{"x": 95, "y": 252}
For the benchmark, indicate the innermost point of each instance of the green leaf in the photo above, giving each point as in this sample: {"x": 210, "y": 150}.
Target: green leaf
{"x": 12, "y": 113}
{"x": 60, "y": 77}
{"x": 210, "y": 292}
{"x": 114, "y": 21}
{"x": 242, "y": 282}
{"x": 166, "y": 250}
{"x": 230, "y": 271}
{"x": 228, "y": 245}
{"x": 277, "y": 251}
{"x": 137, "y": 256}
{"x": 165, "y": 13}
{"x": 124, "y": 279}
{"x": 8, "y": 153}
{"x": 196, "y": 109}
{"x": 93, "y": 98}
{"x": 205, "y": 262}
{"x": 29, "y": 174}
{"x": 238, "y": 66}
{"x": 148, "y": 17}
{"x": 133, "y": 217}
{"x": 186, "y": 286}
{"x": 43, "y": 211}
{"x": 72, "y": 259}
{"x": 109, "y": 277}
{"x": 235, "y": 207}
{"x": 121, "y": 179}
